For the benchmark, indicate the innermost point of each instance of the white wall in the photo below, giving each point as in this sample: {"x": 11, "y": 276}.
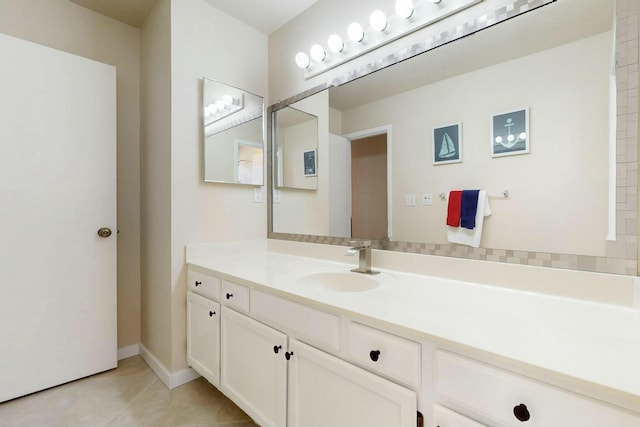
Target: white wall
{"x": 558, "y": 192}
{"x": 66, "y": 26}
{"x": 206, "y": 42}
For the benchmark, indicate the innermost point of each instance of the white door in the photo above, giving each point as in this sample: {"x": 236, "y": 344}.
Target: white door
{"x": 203, "y": 337}
{"x": 325, "y": 391}
{"x": 57, "y": 188}
{"x": 254, "y": 368}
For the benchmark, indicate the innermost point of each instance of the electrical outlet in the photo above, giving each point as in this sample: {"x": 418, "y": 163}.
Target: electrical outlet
{"x": 427, "y": 199}
{"x": 409, "y": 199}
{"x": 276, "y": 196}
{"x": 257, "y": 195}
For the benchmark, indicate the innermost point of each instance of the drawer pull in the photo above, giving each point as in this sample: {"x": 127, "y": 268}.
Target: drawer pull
{"x": 198, "y": 283}
{"x": 229, "y": 296}
{"x": 287, "y": 355}
{"x": 374, "y": 355}
{"x": 211, "y": 313}
{"x": 521, "y": 412}
{"x": 276, "y": 348}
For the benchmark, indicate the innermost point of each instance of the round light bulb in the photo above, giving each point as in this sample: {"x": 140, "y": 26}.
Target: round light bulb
{"x": 302, "y": 60}
{"x": 335, "y": 43}
{"x": 228, "y": 100}
{"x": 523, "y": 135}
{"x": 220, "y": 104}
{"x": 355, "y": 32}
{"x": 317, "y": 53}
{"x": 404, "y": 8}
{"x": 378, "y": 20}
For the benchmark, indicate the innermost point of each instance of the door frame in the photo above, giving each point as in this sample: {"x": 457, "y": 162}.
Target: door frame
{"x": 385, "y": 129}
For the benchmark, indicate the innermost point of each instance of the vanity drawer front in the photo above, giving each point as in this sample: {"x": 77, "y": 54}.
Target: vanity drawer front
{"x": 204, "y": 284}
{"x": 313, "y": 326}
{"x": 235, "y": 296}
{"x": 393, "y": 356}
{"x": 443, "y": 417}
{"x": 513, "y": 400}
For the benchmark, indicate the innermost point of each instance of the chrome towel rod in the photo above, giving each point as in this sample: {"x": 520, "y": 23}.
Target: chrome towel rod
{"x": 504, "y": 195}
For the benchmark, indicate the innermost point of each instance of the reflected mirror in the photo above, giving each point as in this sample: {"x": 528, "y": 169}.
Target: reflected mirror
{"x": 296, "y": 150}
{"x": 233, "y": 135}
{"x": 562, "y": 77}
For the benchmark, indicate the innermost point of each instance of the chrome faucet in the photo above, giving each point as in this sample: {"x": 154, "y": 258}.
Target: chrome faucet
{"x": 363, "y": 248}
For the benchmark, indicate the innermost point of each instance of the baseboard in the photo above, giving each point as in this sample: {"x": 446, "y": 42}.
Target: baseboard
{"x": 170, "y": 380}
{"x": 129, "y": 351}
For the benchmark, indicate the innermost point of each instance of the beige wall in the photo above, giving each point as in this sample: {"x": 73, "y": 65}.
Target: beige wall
{"x": 206, "y": 42}
{"x": 558, "y": 192}
{"x": 66, "y": 26}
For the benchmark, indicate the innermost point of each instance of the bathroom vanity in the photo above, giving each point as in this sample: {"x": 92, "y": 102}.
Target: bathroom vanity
{"x": 299, "y": 341}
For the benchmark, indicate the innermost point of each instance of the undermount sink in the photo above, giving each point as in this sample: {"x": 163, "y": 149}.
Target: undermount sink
{"x": 340, "y": 281}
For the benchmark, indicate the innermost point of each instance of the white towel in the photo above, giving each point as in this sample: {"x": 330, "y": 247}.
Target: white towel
{"x": 464, "y": 236}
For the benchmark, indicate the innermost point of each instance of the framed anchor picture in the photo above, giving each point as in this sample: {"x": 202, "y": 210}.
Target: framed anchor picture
{"x": 510, "y": 133}
{"x": 447, "y": 144}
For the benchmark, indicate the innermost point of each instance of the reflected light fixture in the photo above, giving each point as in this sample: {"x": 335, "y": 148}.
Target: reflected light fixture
{"x": 317, "y": 53}
{"x": 378, "y": 20}
{"x": 335, "y": 43}
{"x": 302, "y": 60}
{"x": 355, "y": 32}
{"x": 222, "y": 107}
{"x": 404, "y": 8}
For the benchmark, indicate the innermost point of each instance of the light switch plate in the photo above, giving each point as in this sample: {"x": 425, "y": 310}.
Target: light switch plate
{"x": 409, "y": 199}
{"x": 427, "y": 199}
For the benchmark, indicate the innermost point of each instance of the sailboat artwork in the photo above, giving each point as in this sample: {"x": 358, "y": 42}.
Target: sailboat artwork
{"x": 447, "y": 144}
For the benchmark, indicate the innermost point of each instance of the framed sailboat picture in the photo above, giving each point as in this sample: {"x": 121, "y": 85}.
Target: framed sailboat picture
{"x": 447, "y": 144}
{"x": 510, "y": 133}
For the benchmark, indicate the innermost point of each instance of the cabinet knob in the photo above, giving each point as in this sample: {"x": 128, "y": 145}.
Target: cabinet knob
{"x": 276, "y": 348}
{"x": 211, "y": 313}
{"x": 287, "y": 355}
{"x": 521, "y": 412}
{"x": 229, "y": 296}
{"x": 198, "y": 283}
{"x": 374, "y": 355}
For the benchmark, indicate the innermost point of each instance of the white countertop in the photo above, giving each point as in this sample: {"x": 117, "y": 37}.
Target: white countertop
{"x": 595, "y": 342}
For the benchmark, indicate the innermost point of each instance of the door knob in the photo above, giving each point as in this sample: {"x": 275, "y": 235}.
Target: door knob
{"x": 104, "y": 232}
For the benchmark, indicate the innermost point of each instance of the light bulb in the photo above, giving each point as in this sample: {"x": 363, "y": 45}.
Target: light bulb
{"x": 404, "y": 8}
{"x": 335, "y": 43}
{"x": 378, "y": 20}
{"x": 228, "y": 100}
{"x": 317, "y": 53}
{"x": 302, "y": 60}
{"x": 220, "y": 104}
{"x": 355, "y": 32}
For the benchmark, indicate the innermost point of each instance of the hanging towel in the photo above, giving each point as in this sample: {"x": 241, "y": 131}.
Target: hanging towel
{"x": 453, "y": 210}
{"x": 469, "y": 208}
{"x": 466, "y": 236}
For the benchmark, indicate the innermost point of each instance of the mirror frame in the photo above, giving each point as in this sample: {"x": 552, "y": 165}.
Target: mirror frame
{"x": 621, "y": 255}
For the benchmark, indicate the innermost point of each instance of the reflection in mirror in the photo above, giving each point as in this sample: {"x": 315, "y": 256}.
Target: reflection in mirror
{"x": 558, "y": 191}
{"x": 296, "y": 162}
{"x": 233, "y": 135}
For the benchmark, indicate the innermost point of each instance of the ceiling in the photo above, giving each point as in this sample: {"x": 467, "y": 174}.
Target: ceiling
{"x": 264, "y": 16}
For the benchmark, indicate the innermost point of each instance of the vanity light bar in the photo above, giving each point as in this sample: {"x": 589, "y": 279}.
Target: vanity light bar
{"x": 410, "y": 16}
{"x": 222, "y": 107}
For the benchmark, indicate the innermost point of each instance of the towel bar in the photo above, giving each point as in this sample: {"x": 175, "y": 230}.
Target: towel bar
{"x": 504, "y": 195}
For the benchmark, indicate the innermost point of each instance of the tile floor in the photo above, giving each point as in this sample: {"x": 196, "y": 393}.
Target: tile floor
{"x": 130, "y": 395}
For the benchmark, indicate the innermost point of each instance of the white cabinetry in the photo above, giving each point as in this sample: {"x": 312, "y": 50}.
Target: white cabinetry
{"x": 254, "y": 369}
{"x": 203, "y": 336}
{"x": 329, "y": 392}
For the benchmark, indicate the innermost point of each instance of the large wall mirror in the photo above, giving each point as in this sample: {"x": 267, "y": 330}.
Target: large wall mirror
{"x": 233, "y": 134}
{"x": 555, "y": 63}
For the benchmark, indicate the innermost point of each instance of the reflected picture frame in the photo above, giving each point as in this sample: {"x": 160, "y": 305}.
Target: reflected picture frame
{"x": 310, "y": 163}
{"x": 510, "y": 135}
{"x": 447, "y": 144}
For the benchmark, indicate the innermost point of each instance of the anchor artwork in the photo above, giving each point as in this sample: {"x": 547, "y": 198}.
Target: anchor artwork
{"x": 510, "y": 134}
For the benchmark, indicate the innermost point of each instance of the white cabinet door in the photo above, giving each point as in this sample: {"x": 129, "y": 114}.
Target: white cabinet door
{"x": 325, "y": 391}
{"x": 203, "y": 337}
{"x": 254, "y": 368}
{"x": 58, "y": 319}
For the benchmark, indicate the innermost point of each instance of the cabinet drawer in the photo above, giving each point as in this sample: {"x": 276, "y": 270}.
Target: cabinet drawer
{"x": 386, "y": 353}
{"x": 235, "y": 296}
{"x": 313, "y": 326}
{"x": 513, "y": 400}
{"x": 204, "y": 284}
{"x": 443, "y": 417}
